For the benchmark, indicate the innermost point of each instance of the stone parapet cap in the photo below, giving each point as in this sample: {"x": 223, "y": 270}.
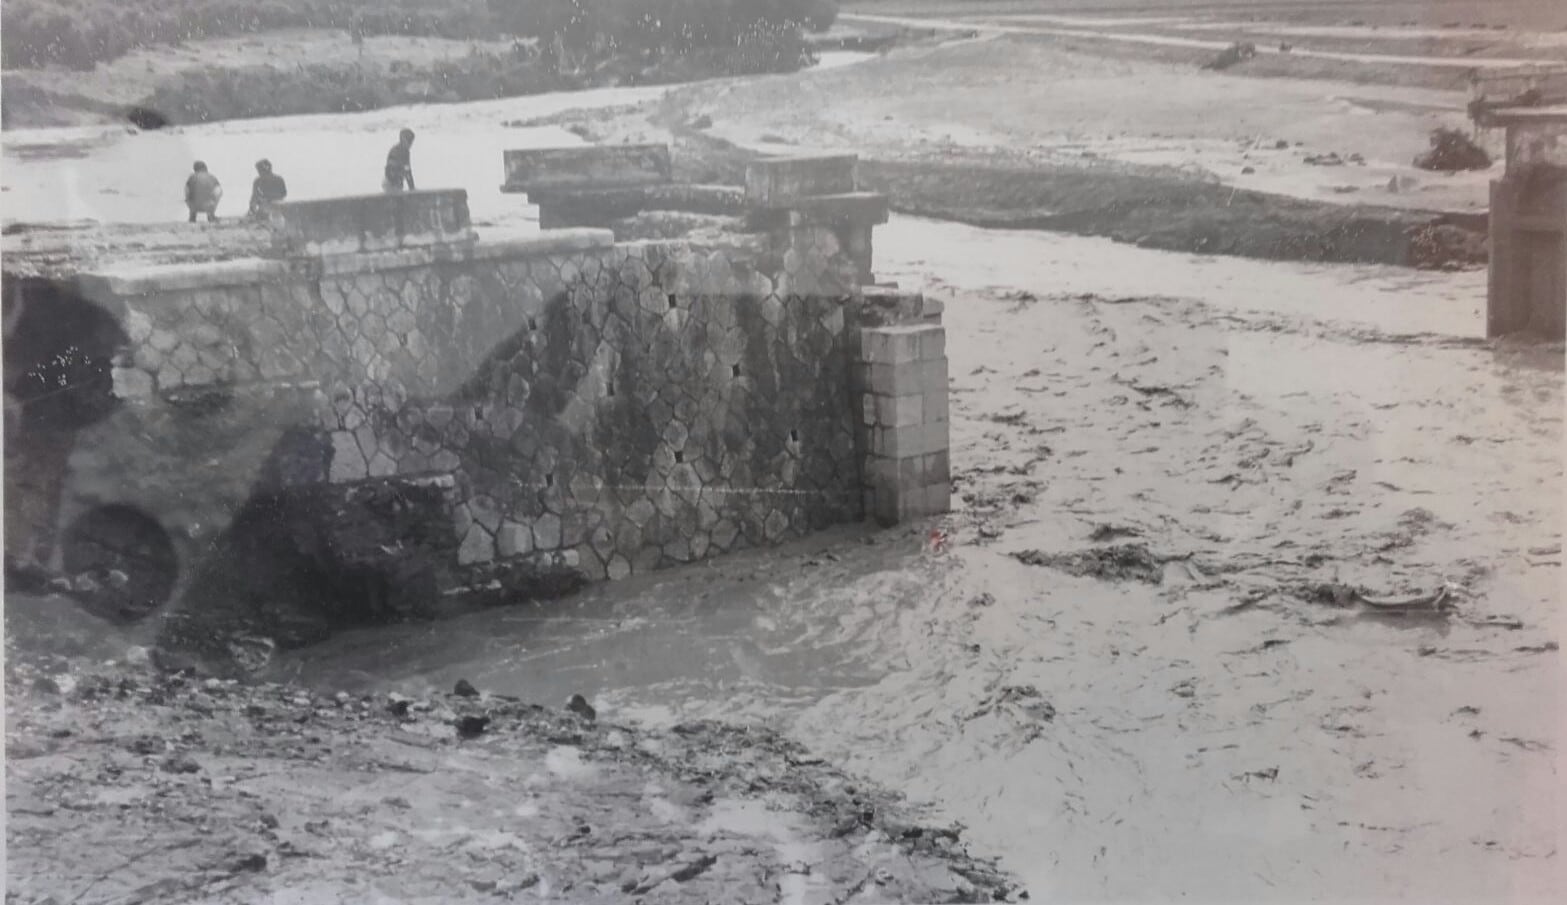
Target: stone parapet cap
{"x": 586, "y": 167}
{"x": 381, "y": 222}
{"x": 500, "y": 246}
{"x": 144, "y": 279}
{"x": 671, "y": 196}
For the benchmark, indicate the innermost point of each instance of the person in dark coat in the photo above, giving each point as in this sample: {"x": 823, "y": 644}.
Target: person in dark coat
{"x": 202, "y": 193}
{"x": 399, "y": 164}
{"x": 268, "y": 189}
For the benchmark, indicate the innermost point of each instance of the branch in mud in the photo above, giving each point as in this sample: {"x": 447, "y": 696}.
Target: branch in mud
{"x": 1123, "y": 562}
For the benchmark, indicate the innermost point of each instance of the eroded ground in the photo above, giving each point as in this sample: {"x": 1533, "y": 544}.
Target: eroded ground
{"x": 127, "y": 785}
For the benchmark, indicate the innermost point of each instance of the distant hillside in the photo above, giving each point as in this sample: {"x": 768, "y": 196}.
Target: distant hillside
{"x": 83, "y": 33}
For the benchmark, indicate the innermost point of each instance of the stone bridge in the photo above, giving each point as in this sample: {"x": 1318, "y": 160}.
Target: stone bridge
{"x": 362, "y": 410}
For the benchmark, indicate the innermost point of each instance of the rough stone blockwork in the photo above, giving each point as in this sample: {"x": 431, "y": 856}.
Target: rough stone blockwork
{"x": 607, "y": 409}
{"x": 901, "y": 377}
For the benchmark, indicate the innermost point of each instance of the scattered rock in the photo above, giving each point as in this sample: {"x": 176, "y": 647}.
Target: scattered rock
{"x": 397, "y": 705}
{"x": 1186, "y": 688}
{"x": 692, "y": 869}
{"x": 580, "y": 706}
{"x": 982, "y": 600}
{"x": 1247, "y": 171}
{"x": 252, "y": 862}
{"x": 471, "y": 725}
{"x": 465, "y": 689}
{"x": 138, "y": 656}
{"x": 179, "y": 763}
{"x": 702, "y": 122}
{"x": 46, "y": 685}
{"x": 1111, "y": 532}
{"x": 1233, "y": 55}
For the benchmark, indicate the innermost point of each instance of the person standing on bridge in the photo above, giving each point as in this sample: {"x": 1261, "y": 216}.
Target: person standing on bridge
{"x": 399, "y": 164}
{"x": 268, "y": 189}
{"x": 202, "y": 193}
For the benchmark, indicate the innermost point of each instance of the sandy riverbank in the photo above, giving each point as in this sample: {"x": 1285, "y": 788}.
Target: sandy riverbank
{"x": 1009, "y": 131}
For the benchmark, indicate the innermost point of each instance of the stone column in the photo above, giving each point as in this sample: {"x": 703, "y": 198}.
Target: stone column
{"x": 902, "y": 377}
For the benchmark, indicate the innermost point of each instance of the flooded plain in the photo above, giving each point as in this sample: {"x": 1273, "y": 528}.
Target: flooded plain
{"x": 1217, "y": 444}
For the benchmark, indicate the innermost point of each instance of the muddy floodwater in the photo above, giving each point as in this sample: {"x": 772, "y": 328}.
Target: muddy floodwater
{"x": 1196, "y": 723}
{"x": 1130, "y": 675}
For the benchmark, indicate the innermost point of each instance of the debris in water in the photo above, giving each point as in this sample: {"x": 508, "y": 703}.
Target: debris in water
{"x": 1435, "y": 602}
{"x": 471, "y": 726}
{"x": 1118, "y": 563}
{"x": 178, "y": 763}
{"x": 580, "y": 706}
{"x": 1111, "y": 532}
{"x": 1025, "y": 698}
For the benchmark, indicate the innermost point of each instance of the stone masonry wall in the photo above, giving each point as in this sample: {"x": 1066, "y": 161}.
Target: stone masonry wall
{"x": 605, "y": 409}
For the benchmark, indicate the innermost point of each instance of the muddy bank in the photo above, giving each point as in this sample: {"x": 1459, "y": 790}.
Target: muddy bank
{"x": 1157, "y": 208}
{"x": 215, "y": 94}
{"x": 1147, "y": 151}
{"x": 297, "y": 72}
{"x": 126, "y": 784}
